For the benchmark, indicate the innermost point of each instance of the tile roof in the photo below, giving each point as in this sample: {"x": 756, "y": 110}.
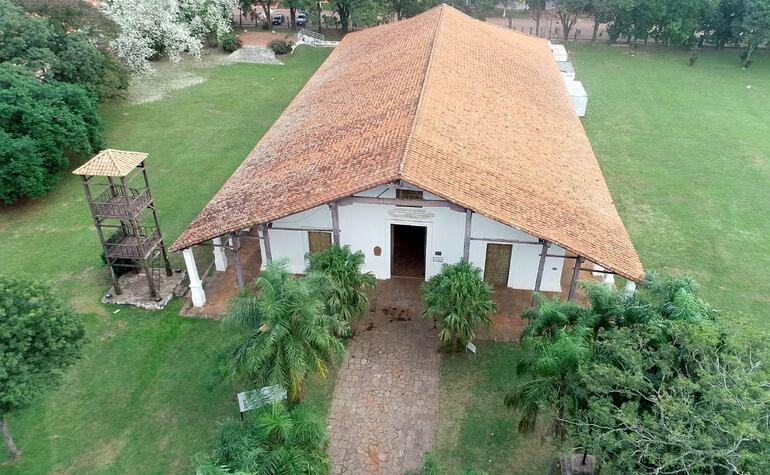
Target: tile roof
{"x": 466, "y": 110}
{"x": 111, "y": 162}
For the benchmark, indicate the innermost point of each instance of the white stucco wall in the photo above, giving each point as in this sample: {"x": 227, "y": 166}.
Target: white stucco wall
{"x": 365, "y": 226}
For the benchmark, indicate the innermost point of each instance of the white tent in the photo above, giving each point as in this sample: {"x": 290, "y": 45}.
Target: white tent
{"x": 578, "y": 95}
{"x": 567, "y": 71}
{"x": 559, "y": 52}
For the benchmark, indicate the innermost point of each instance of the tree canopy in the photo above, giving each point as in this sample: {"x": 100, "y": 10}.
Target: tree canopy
{"x": 40, "y": 124}
{"x": 648, "y": 383}
{"x": 290, "y": 335}
{"x": 52, "y": 48}
{"x": 150, "y": 28}
{"x": 460, "y": 300}
{"x": 39, "y": 338}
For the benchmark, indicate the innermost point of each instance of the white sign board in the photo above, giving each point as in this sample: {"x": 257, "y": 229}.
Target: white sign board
{"x": 471, "y": 347}
{"x": 249, "y": 400}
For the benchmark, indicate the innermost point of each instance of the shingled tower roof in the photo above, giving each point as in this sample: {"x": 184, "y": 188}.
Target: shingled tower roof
{"x": 471, "y": 112}
{"x": 111, "y": 162}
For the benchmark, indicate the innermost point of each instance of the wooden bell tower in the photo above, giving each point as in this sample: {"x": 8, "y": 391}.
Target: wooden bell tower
{"x": 118, "y": 193}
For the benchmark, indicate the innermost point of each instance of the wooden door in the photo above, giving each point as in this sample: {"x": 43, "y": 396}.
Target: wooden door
{"x": 319, "y": 241}
{"x": 498, "y": 263}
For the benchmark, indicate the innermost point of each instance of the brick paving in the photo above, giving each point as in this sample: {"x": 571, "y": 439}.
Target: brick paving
{"x": 382, "y": 414}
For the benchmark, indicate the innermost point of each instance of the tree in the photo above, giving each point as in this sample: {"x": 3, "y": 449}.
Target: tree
{"x": 75, "y": 15}
{"x": 367, "y": 12}
{"x": 649, "y": 383}
{"x": 676, "y": 398}
{"x": 409, "y": 8}
{"x": 602, "y": 11}
{"x": 722, "y": 25}
{"x": 552, "y": 362}
{"x": 150, "y": 28}
{"x": 39, "y": 338}
{"x": 289, "y": 336}
{"x": 346, "y": 297}
{"x": 568, "y": 11}
{"x": 755, "y": 27}
{"x": 41, "y": 123}
{"x": 294, "y": 6}
{"x": 536, "y": 8}
{"x": 248, "y": 6}
{"x": 51, "y": 49}
{"x": 271, "y": 440}
{"x": 461, "y": 301}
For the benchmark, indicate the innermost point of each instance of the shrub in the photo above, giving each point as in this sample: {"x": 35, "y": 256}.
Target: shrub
{"x": 460, "y": 299}
{"x": 271, "y": 439}
{"x": 40, "y": 124}
{"x": 280, "y": 47}
{"x": 347, "y": 297}
{"x": 231, "y": 42}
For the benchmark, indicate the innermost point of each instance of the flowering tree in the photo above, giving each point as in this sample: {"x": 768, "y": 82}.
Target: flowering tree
{"x": 153, "y": 27}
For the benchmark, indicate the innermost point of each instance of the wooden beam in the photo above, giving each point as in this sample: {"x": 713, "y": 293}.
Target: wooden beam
{"x": 540, "y": 269}
{"x": 98, "y": 226}
{"x": 399, "y": 202}
{"x": 505, "y": 241}
{"x": 335, "y": 223}
{"x": 266, "y": 243}
{"x": 575, "y": 274}
{"x": 467, "y": 241}
{"x": 237, "y": 260}
{"x": 599, "y": 271}
{"x": 281, "y": 228}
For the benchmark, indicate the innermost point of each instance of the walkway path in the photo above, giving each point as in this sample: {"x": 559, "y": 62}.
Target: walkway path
{"x": 253, "y": 54}
{"x": 381, "y": 419}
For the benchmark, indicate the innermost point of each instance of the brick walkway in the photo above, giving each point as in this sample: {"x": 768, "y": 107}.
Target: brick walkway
{"x": 381, "y": 419}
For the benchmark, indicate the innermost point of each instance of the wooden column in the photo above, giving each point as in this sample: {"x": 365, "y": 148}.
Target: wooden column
{"x": 163, "y": 252}
{"x": 335, "y": 223}
{"x": 467, "y": 241}
{"x": 540, "y": 269}
{"x": 237, "y": 260}
{"x": 575, "y": 274}
{"x": 266, "y": 243}
{"x": 97, "y": 225}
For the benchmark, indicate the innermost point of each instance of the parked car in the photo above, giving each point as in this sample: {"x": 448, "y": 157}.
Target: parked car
{"x": 278, "y": 19}
{"x": 301, "y": 19}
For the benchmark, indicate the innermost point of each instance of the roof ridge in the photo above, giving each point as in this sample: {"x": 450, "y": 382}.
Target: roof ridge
{"x": 443, "y": 7}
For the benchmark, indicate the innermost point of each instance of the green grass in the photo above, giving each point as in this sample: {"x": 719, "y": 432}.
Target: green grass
{"x": 686, "y": 154}
{"x": 141, "y": 399}
{"x": 685, "y": 151}
{"x": 473, "y": 428}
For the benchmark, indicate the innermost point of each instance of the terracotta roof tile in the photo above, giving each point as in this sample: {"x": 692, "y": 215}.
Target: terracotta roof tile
{"x": 466, "y": 110}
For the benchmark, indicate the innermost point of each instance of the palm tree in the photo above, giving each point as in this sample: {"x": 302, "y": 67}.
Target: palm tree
{"x": 272, "y": 440}
{"x": 552, "y": 363}
{"x": 549, "y": 316}
{"x": 461, "y": 301}
{"x": 346, "y": 297}
{"x": 290, "y": 335}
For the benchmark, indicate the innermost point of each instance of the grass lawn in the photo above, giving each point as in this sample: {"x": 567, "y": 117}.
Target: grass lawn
{"x": 685, "y": 151}
{"x": 686, "y": 154}
{"x": 473, "y": 428}
{"x": 141, "y": 400}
